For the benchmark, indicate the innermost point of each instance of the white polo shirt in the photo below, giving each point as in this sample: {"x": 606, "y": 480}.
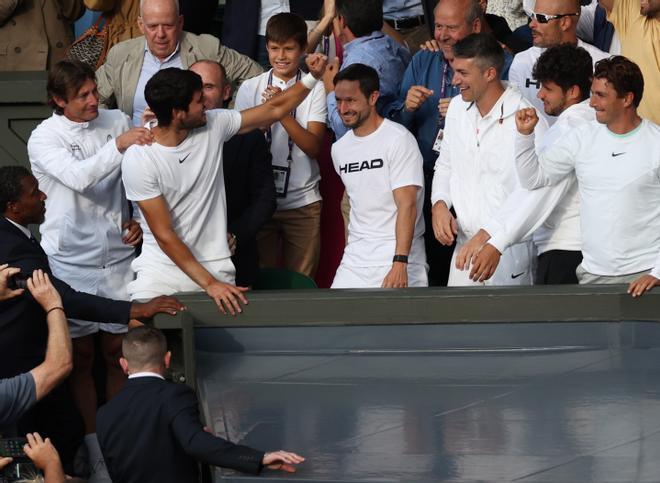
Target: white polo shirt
{"x": 190, "y": 179}
{"x": 78, "y": 166}
{"x": 520, "y": 73}
{"x": 304, "y": 175}
{"x": 371, "y": 167}
{"x": 619, "y": 184}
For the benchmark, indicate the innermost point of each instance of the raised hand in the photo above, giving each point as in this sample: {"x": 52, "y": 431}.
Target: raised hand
{"x": 316, "y": 64}
{"x": 526, "y": 120}
{"x": 6, "y": 272}
{"x": 329, "y": 75}
{"x": 43, "y": 291}
{"x": 443, "y": 106}
{"x": 416, "y": 96}
{"x": 431, "y": 45}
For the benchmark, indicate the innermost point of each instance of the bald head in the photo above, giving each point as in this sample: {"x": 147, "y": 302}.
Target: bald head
{"x": 215, "y": 87}
{"x": 557, "y": 30}
{"x": 161, "y": 25}
{"x": 172, "y": 4}
{"x": 455, "y": 20}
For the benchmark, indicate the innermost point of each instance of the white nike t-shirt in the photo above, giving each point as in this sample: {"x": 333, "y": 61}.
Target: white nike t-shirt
{"x": 371, "y": 167}
{"x": 520, "y": 73}
{"x": 190, "y": 178}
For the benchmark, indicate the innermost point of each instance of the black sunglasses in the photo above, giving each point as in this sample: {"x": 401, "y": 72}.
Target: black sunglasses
{"x": 545, "y": 18}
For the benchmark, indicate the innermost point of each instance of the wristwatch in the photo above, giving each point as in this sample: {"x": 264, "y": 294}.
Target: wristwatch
{"x": 400, "y": 258}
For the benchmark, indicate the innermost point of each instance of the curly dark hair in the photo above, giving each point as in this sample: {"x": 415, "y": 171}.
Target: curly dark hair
{"x": 624, "y": 75}
{"x": 566, "y": 65}
{"x": 169, "y": 89}
{"x": 10, "y": 184}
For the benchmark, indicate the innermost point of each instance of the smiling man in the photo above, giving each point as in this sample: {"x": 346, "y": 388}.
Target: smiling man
{"x": 617, "y": 164}
{"x": 553, "y": 22}
{"x": 178, "y": 185}
{"x": 88, "y": 233}
{"x": 130, "y": 64}
{"x": 381, "y": 167}
{"x": 475, "y": 172}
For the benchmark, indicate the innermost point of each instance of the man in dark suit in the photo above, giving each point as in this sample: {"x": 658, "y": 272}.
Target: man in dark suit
{"x": 151, "y": 430}
{"x": 248, "y": 174}
{"x": 23, "y": 328}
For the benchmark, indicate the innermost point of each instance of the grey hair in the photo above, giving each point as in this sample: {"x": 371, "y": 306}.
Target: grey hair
{"x": 175, "y": 2}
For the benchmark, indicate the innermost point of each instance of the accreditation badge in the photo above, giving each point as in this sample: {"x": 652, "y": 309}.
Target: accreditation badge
{"x": 438, "y": 141}
{"x": 281, "y": 176}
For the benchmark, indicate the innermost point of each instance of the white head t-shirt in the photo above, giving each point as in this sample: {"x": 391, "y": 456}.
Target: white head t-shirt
{"x": 190, "y": 179}
{"x": 371, "y": 167}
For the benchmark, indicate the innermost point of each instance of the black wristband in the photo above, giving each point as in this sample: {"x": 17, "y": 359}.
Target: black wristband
{"x": 400, "y": 258}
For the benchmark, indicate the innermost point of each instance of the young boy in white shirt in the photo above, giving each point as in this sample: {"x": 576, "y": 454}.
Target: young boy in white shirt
{"x": 294, "y": 143}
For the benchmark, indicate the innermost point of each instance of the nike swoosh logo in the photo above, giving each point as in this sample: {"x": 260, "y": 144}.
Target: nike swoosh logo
{"x": 516, "y": 276}
{"x": 182, "y": 160}
{"x": 614, "y": 155}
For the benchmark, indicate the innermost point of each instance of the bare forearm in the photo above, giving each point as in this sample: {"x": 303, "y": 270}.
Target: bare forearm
{"x": 309, "y": 143}
{"x": 315, "y": 35}
{"x": 274, "y": 110}
{"x": 405, "y": 226}
{"x": 181, "y": 255}
{"x": 59, "y": 360}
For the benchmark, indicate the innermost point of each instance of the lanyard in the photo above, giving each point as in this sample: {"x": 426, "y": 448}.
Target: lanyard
{"x": 326, "y": 45}
{"x": 269, "y": 133}
{"x": 443, "y": 88}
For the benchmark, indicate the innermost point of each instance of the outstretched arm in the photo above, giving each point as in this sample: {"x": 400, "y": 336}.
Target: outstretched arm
{"x": 157, "y": 214}
{"x": 269, "y": 112}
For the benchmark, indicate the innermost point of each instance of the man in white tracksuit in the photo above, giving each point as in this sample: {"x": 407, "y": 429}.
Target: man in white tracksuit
{"x": 617, "y": 164}
{"x": 475, "y": 172}
{"x": 551, "y": 214}
{"x": 87, "y": 234}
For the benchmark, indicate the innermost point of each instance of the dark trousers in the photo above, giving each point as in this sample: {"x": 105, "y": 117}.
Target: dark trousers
{"x": 57, "y": 418}
{"x": 437, "y": 256}
{"x": 557, "y": 267}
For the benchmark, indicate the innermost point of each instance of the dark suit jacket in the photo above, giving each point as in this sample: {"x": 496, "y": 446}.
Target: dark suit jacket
{"x": 151, "y": 432}
{"x": 251, "y": 201}
{"x": 23, "y": 328}
{"x": 240, "y": 22}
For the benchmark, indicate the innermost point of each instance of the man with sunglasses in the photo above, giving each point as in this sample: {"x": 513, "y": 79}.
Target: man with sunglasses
{"x": 553, "y": 22}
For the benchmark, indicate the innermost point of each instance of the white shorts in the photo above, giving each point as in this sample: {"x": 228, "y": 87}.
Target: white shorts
{"x": 372, "y": 277}
{"x": 516, "y": 267}
{"x": 110, "y": 281}
{"x": 153, "y": 279}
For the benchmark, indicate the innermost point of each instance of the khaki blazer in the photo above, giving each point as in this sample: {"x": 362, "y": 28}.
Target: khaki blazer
{"x": 117, "y": 79}
{"x": 34, "y": 34}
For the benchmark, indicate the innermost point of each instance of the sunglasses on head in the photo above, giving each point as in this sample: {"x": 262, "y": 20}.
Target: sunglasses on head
{"x": 545, "y": 18}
